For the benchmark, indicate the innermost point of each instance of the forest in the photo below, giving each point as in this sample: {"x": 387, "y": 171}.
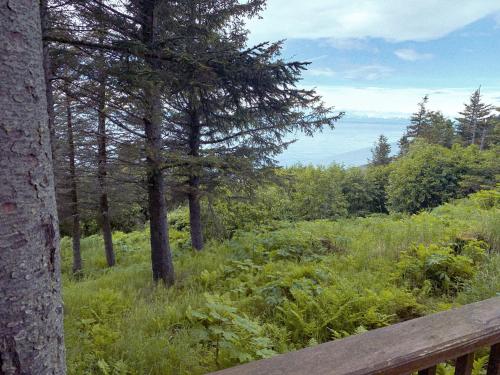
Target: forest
{"x": 158, "y": 211}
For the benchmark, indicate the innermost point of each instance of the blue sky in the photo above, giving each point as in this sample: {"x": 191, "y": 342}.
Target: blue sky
{"x": 377, "y": 58}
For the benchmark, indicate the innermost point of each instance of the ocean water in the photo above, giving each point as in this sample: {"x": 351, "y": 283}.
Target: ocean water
{"x": 349, "y": 144}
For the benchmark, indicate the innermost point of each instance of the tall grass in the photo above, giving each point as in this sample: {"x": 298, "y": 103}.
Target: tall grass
{"x": 267, "y": 291}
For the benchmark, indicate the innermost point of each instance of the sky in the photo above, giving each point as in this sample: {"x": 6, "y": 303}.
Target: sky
{"x": 378, "y": 58}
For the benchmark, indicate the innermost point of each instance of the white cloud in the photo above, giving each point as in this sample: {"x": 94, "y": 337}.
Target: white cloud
{"x": 367, "y": 72}
{"x": 362, "y": 72}
{"x": 497, "y": 19}
{"x": 316, "y": 58}
{"x": 399, "y": 102}
{"x": 322, "y": 72}
{"x": 409, "y": 54}
{"x": 351, "y": 44}
{"x": 393, "y": 20}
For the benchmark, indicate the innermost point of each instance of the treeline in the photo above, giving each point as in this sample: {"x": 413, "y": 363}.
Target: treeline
{"x": 427, "y": 176}
{"x": 438, "y": 160}
{"x": 478, "y": 124}
{"x": 149, "y": 98}
{"x": 434, "y": 167}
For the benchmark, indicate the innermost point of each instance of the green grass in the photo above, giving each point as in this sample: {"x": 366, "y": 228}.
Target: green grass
{"x": 275, "y": 289}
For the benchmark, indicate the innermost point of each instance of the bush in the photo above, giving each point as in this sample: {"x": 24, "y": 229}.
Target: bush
{"x": 436, "y": 270}
{"x": 425, "y": 178}
{"x": 430, "y": 175}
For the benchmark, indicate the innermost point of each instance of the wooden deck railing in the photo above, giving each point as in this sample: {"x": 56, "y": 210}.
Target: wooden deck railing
{"x": 415, "y": 345}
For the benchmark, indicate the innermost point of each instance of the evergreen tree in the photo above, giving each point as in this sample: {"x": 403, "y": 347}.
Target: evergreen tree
{"x": 404, "y": 145}
{"x": 75, "y": 206}
{"x": 473, "y": 124}
{"x": 431, "y": 126}
{"x": 440, "y": 129}
{"x": 151, "y": 37}
{"x": 231, "y": 106}
{"x": 419, "y": 120}
{"x": 381, "y": 151}
{"x": 493, "y": 138}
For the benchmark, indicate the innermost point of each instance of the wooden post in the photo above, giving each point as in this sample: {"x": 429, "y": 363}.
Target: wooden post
{"x": 464, "y": 364}
{"x": 494, "y": 362}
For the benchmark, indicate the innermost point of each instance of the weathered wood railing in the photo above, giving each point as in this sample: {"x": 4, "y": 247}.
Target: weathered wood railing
{"x": 415, "y": 345}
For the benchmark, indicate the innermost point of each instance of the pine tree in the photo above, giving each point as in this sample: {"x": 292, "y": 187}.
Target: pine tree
{"x": 404, "y": 145}
{"x": 419, "y": 120}
{"x": 493, "y": 138}
{"x": 473, "y": 124}
{"x": 161, "y": 256}
{"x": 232, "y": 106}
{"x": 381, "y": 151}
{"x": 440, "y": 129}
{"x": 75, "y": 207}
{"x": 31, "y": 317}
{"x": 431, "y": 126}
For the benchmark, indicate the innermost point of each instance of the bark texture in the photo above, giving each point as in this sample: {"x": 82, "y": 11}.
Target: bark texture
{"x": 102, "y": 174}
{"x": 195, "y": 214}
{"x": 161, "y": 256}
{"x": 75, "y": 212}
{"x": 47, "y": 68}
{"x": 483, "y": 137}
{"x": 194, "y": 183}
{"x": 31, "y": 333}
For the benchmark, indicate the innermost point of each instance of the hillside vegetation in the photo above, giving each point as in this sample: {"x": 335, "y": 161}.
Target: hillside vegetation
{"x": 278, "y": 287}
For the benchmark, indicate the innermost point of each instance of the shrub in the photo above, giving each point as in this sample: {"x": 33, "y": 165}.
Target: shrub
{"x": 438, "y": 269}
{"x": 232, "y": 337}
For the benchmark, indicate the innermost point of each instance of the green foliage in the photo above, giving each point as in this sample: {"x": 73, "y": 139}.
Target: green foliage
{"x": 381, "y": 151}
{"x": 427, "y": 176}
{"x": 479, "y": 169}
{"x": 424, "y": 178}
{"x": 487, "y": 198}
{"x": 275, "y": 288}
{"x": 435, "y": 269}
{"x": 478, "y": 368}
{"x": 439, "y": 131}
{"x": 179, "y": 219}
{"x": 232, "y": 337}
{"x": 377, "y": 179}
{"x": 474, "y": 119}
{"x": 357, "y": 191}
{"x": 316, "y": 193}
{"x": 430, "y": 175}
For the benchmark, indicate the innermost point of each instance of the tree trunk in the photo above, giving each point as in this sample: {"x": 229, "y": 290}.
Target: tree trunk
{"x": 31, "y": 330}
{"x": 75, "y": 213}
{"x": 474, "y": 130}
{"x": 102, "y": 173}
{"x": 483, "y": 137}
{"x": 195, "y": 213}
{"x": 161, "y": 256}
{"x": 47, "y": 69}
{"x": 194, "y": 182}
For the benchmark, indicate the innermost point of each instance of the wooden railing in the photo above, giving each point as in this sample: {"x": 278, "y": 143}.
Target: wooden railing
{"x": 415, "y": 345}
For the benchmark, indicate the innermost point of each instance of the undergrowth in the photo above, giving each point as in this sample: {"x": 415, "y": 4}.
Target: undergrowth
{"x": 276, "y": 288}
